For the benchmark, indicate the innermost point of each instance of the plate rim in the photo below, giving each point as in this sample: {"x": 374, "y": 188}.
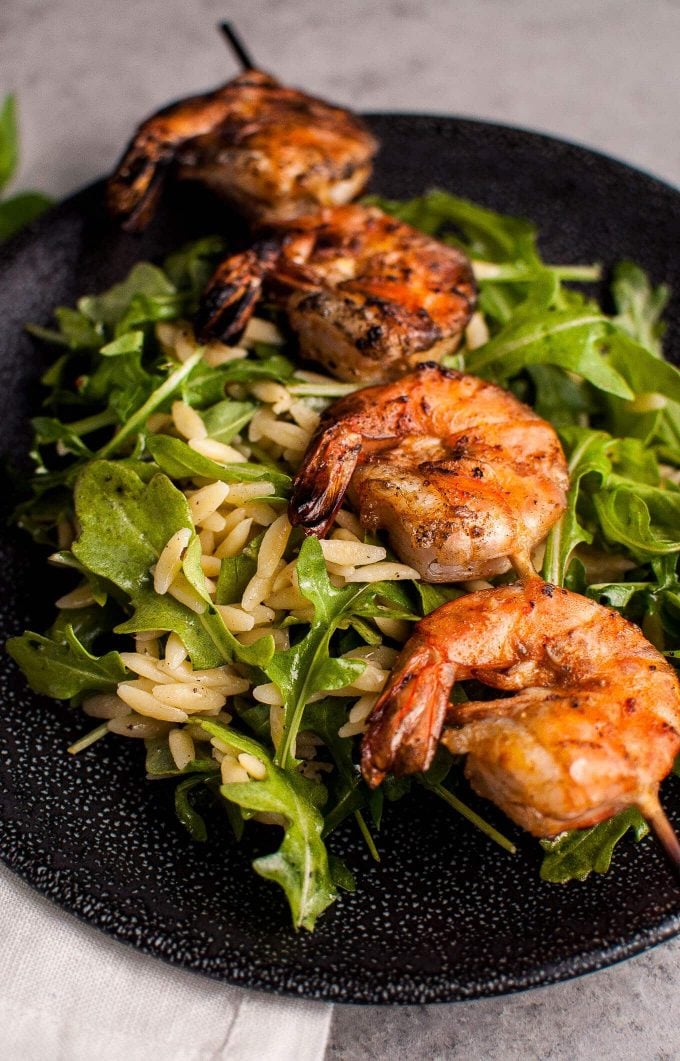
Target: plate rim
{"x": 42, "y": 876}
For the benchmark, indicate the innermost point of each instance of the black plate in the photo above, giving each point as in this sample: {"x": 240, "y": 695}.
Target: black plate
{"x": 445, "y": 915}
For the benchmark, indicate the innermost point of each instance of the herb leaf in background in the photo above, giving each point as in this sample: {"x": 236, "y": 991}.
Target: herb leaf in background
{"x": 9, "y": 141}
{"x": 23, "y": 207}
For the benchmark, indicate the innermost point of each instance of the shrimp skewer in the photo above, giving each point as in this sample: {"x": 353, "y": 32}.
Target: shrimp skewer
{"x": 592, "y": 727}
{"x": 367, "y": 295}
{"x": 465, "y": 479}
{"x": 272, "y": 151}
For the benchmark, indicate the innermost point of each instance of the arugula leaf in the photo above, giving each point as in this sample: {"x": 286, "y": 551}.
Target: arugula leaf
{"x": 125, "y": 524}
{"x": 79, "y": 332}
{"x": 588, "y": 457}
{"x": 127, "y": 343}
{"x": 644, "y": 519}
{"x": 574, "y": 855}
{"x": 190, "y": 268}
{"x": 180, "y": 461}
{"x": 560, "y": 398}
{"x": 160, "y": 763}
{"x": 61, "y": 667}
{"x": 616, "y": 483}
{"x": 482, "y": 232}
{"x": 432, "y": 597}
{"x": 49, "y": 431}
{"x": 225, "y": 419}
{"x": 638, "y": 347}
{"x": 639, "y": 305}
{"x": 278, "y": 368}
{"x": 144, "y": 279}
{"x": 25, "y": 206}
{"x": 324, "y": 718}
{"x": 189, "y": 817}
{"x": 572, "y": 339}
{"x": 307, "y": 668}
{"x": 136, "y": 417}
{"x": 300, "y": 865}
{"x": 236, "y": 572}
{"x": 88, "y": 624}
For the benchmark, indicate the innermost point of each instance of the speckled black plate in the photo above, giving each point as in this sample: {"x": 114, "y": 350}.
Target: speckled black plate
{"x": 445, "y": 915}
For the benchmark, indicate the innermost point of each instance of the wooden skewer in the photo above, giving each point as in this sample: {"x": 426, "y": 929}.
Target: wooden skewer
{"x": 237, "y": 46}
{"x": 663, "y": 831}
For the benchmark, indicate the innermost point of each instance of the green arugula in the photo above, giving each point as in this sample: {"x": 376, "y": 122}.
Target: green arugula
{"x": 300, "y": 865}
{"x": 125, "y": 524}
{"x": 576, "y": 854}
{"x": 61, "y": 666}
{"x": 236, "y": 572}
{"x": 307, "y": 667}
{"x": 225, "y": 419}
{"x": 616, "y": 494}
{"x": 180, "y": 461}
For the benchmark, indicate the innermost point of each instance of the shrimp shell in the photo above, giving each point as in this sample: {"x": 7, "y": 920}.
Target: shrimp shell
{"x": 592, "y": 727}
{"x": 367, "y": 295}
{"x": 272, "y": 151}
{"x": 461, "y": 474}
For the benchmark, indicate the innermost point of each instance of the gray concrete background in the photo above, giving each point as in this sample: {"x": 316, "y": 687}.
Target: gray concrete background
{"x": 602, "y": 72}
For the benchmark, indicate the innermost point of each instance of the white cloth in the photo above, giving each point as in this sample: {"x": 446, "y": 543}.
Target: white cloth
{"x": 69, "y": 993}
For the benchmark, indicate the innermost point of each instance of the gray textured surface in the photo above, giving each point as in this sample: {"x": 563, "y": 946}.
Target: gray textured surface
{"x": 602, "y": 73}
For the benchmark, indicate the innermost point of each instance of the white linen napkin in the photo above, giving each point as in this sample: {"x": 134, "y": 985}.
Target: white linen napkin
{"x": 69, "y": 993}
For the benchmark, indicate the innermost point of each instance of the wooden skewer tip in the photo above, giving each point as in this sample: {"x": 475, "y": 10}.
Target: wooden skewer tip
{"x": 663, "y": 831}
{"x": 237, "y": 45}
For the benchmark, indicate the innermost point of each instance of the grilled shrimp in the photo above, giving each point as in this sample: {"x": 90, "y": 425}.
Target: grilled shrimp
{"x": 272, "y": 151}
{"x": 367, "y": 295}
{"x": 465, "y": 479}
{"x": 593, "y": 725}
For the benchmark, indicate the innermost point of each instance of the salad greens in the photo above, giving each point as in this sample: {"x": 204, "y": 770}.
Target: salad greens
{"x": 301, "y": 864}
{"x": 102, "y": 464}
{"x": 307, "y": 668}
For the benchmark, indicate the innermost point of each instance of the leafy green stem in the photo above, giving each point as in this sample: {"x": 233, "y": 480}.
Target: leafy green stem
{"x": 89, "y": 738}
{"x": 285, "y": 753}
{"x": 511, "y": 273}
{"x": 106, "y": 418}
{"x": 160, "y": 395}
{"x": 366, "y": 833}
{"x": 475, "y": 819}
{"x": 322, "y": 390}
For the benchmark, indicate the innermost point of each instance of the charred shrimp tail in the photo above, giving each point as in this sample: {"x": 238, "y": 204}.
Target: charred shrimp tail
{"x": 321, "y": 483}
{"x": 228, "y": 302}
{"x": 406, "y": 722}
{"x": 132, "y": 193}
